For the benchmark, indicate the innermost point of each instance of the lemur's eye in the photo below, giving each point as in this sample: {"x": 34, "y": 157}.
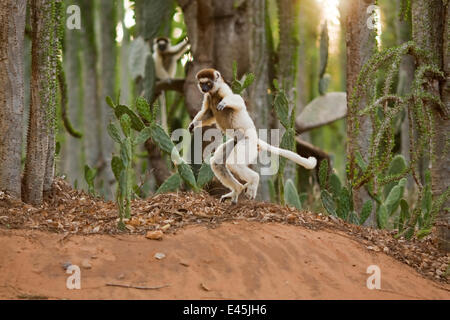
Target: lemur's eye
{"x": 210, "y": 84}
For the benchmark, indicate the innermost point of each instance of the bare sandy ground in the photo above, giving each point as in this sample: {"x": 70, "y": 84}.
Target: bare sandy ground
{"x": 238, "y": 260}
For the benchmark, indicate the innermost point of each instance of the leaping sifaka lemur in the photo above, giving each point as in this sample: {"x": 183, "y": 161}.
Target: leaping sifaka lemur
{"x": 228, "y": 111}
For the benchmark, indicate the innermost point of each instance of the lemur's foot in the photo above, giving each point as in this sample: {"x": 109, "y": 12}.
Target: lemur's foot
{"x": 230, "y": 195}
{"x": 233, "y": 195}
{"x": 221, "y": 106}
{"x": 251, "y": 190}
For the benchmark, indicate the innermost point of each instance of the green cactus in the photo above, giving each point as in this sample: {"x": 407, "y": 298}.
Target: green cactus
{"x": 334, "y": 183}
{"x": 291, "y": 196}
{"x": 238, "y": 86}
{"x": 186, "y": 173}
{"x": 366, "y": 211}
{"x": 404, "y": 215}
{"x": 143, "y": 136}
{"x": 171, "y": 184}
{"x": 344, "y": 204}
{"x": 382, "y": 216}
{"x": 328, "y": 202}
{"x": 110, "y": 102}
{"x": 281, "y": 107}
{"x": 323, "y": 174}
{"x": 353, "y": 217}
{"x": 392, "y": 201}
{"x": 397, "y": 166}
{"x": 114, "y": 133}
{"x": 136, "y": 122}
{"x": 125, "y": 124}
{"x": 89, "y": 176}
{"x": 162, "y": 139}
{"x": 143, "y": 109}
{"x": 303, "y": 198}
{"x": 427, "y": 201}
{"x": 205, "y": 174}
{"x": 122, "y": 165}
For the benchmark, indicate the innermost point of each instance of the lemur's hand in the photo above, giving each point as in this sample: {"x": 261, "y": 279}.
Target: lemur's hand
{"x": 191, "y": 127}
{"x": 221, "y": 105}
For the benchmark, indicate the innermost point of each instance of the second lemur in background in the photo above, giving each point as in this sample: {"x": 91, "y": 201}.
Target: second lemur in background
{"x": 166, "y": 56}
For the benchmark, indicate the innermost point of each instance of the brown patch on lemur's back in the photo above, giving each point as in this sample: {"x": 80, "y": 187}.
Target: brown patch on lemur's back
{"x": 206, "y": 73}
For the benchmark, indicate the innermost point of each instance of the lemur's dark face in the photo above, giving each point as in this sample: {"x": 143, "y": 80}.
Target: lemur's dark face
{"x": 209, "y": 80}
{"x": 205, "y": 85}
{"x": 162, "y": 44}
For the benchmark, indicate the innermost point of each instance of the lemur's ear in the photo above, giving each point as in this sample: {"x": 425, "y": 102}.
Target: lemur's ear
{"x": 217, "y": 74}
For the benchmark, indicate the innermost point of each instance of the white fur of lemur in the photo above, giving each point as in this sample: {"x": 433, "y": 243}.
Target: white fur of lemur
{"x": 229, "y": 112}
{"x": 166, "y": 56}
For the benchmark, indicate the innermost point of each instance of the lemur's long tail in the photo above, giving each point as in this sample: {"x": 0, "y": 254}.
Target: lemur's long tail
{"x": 309, "y": 163}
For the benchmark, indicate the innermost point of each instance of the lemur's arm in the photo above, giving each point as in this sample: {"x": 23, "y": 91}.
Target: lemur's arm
{"x": 233, "y": 101}
{"x": 179, "y": 49}
{"x": 204, "y": 117}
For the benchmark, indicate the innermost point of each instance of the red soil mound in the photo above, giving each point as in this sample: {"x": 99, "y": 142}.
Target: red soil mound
{"x": 236, "y": 260}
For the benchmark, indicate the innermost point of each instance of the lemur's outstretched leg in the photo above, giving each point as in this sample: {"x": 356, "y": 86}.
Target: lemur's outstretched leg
{"x": 219, "y": 167}
{"x": 245, "y": 153}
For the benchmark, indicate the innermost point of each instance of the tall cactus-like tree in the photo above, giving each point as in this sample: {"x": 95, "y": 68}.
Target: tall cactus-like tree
{"x": 39, "y": 164}
{"x": 287, "y": 67}
{"x": 108, "y": 62}
{"x": 71, "y": 151}
{"x": 91, "y": 103}
{"x": 431, "y": 31}
{"x": 12, "y": 30}
{"x": 259, "y": 64}
{"x": 150, "y": 16}
{"x": 407, "y": 68}
{"x": 360, "y": 47}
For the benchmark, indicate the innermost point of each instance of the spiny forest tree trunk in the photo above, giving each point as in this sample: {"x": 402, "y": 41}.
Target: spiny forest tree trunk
{"x": 406, "y": 73}
{"x": 39, "y": 164}
{"x": 71, "y": 154}
{"x": 431, "y": 32}
{"x": 108, "y": 58}
{"x": 12, "y": 31}
{"x": 91, "y": 109}
{"x": 287, "y": 66}
{"x": 361, "y": 43}
{"x": 219, "y": 34}
{"x": 125, "y": 80}
{"x": 54, "y": 54}
{"x": 149, "y": 17}
{"x": 259, "y": 103}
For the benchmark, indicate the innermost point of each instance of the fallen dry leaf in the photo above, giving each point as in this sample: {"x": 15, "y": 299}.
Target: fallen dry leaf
{"x": 154, "y": 235}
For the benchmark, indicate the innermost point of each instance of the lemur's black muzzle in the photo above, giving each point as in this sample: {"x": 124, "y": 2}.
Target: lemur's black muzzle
{"x": 205, "y": 87}
{"x": 162, "y": 46}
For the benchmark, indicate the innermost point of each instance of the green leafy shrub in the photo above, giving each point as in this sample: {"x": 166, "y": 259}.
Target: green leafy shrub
{"x": 386, "y": 185}
{"x": 89, "y": 177}
{"x": 238, "y": 86}
{"x": 291, "y": 196}
{"x": 145, "y": 126}
{"x": 287, "y": 119}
